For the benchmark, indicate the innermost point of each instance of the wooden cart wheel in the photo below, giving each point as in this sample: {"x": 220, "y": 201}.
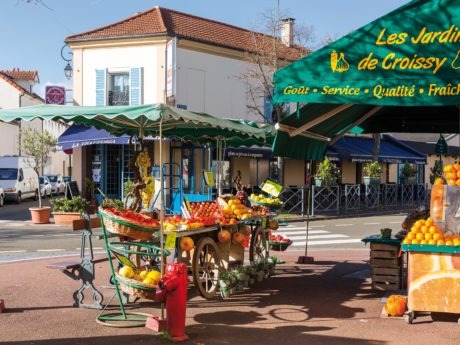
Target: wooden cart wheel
{"x": 206, "y": 264}
{"x": 258, "y": 250}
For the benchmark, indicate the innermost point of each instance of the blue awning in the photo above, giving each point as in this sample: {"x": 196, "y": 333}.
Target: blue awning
{"x": 359, "y": 149}
{"x": 81, "y": 135}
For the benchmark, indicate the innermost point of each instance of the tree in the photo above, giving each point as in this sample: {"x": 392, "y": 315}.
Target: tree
{"x": 37, "y": 147}
{"x": 266, "y": 54}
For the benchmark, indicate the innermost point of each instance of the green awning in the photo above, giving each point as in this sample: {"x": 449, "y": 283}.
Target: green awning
{"x": 409, "y": 57}
{"x": 144, "y": 120}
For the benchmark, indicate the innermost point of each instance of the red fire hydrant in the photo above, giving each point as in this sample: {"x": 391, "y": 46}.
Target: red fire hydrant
{"x": 173, "y": 289}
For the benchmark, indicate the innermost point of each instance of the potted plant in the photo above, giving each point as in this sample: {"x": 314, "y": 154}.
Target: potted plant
{"x": 408, "y": 174}
{"x": 260, "y": 271}
{"x": 436, "y": 171}
{"x": 372, "y": 171}
{"x": 37, "y": 146}
{"x": 65, "y": 211}
{"x": 326, "y": 174}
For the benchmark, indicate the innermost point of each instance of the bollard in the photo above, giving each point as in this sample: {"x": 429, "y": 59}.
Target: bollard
{"x": 173, "y": 289}
{"x": 2, "y": 306}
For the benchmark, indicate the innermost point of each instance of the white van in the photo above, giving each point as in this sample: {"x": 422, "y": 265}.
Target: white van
{"x": 17, "y": 178}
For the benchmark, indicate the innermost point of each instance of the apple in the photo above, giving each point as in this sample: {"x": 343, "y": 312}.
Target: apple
{"x": 237, "y": 238}
{"x": 186, "y": 243}
{"x": 223, "y": 236}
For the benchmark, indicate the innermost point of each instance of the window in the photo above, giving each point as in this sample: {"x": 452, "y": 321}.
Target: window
{"x": 118, "y": 89}
{"x": 119, "y": 86}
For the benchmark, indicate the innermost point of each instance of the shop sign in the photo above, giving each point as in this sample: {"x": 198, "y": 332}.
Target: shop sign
{"x": 55, "y": 95}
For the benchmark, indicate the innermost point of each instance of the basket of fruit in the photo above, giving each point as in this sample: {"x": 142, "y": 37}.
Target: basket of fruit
{"x": 279, "y": 242}
{"x": 262, "y": 200}
{"x": 129, "y": 223}
{"x": 138, "y": 283}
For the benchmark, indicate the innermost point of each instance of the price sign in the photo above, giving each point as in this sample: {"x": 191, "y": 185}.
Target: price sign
{"x": 124, "y": 260}
{"x": 170, "y": 242}
{"x": 209, "y": 178}
{"x": 271, "y": 187}
{"x": 264, "y": 223}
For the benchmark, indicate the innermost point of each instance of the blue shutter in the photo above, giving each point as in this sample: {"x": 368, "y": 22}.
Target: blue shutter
{"x": 268, "y": 109}
{"x": 100, "y": 87}
{"x": 135, "y": 86}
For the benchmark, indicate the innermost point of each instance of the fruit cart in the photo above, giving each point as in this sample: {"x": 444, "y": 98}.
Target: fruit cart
{"x": 202, "y": 247}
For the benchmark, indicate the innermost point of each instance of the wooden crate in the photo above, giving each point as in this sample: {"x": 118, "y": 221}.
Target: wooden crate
{"x": 386, "y": 266}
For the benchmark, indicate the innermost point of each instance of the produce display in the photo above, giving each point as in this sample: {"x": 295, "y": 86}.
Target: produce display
{"x": 205, "y": 209}
{"x": 176, "y": 222}
{"x": 149, "y": 278}
{"x": 279, "y": 242}
{"x": 133, "y": 217}
{"x": 235, "y": 209}
{"x": 425, "y": 231}
{"x": 264, "y": 200}
{"x": 396, "y": 305}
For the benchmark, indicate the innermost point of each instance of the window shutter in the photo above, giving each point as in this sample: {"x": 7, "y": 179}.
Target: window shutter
{"x": 100, "y": 87}
{"x": 135, "y": 86}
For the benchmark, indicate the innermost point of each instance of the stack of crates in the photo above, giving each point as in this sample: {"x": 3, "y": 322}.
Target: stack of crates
{"x": 386, "y": 266}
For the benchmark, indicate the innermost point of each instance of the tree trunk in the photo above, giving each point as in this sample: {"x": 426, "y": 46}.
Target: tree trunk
{"x": 376, "y": 147}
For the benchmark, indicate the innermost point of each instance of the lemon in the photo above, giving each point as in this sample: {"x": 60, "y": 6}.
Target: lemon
{"x": 154, "y": 274}
{"x": 143, "y": 274}
{"x": 126, "y": 271}
{"x": 137, "y": 277}
{"x": 150, "y": 281}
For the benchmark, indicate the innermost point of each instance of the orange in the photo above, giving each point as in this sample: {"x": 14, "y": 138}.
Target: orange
{"x": 448, "y": 168}
{"x": 451, "y": 183}
{"x": 428, "y": 236}
{"x": 424, "y": 229}
{"x": 419, "y": 236}
{"x": 410, "y": 236}
{"x": 437, "y": 236}
{"x": 440, "y": 242}
{"x": 415, "y": 241}
{"x": 433, "y": 229}
{"x": 429, "y": 221}
{"x": 439, "y": 181}
{"x": 431, "y": 241}
{"x": 457, "y": 182}
{"x": 449, "y": 243}
{"x": 407, "y": 241}
{"x": 420, "y": 222}
{"x": 457, "y": 166}
{"x": 456, "y": 242}
{"x": 423, "y": 242}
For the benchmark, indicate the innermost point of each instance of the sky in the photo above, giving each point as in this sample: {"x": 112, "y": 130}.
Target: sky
{"x": 32, "y": 35}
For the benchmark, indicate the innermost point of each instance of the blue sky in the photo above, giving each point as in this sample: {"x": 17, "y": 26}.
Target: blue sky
{"x": 31, "y": 36}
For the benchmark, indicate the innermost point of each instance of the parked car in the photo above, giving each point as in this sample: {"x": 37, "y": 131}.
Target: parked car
{"x": 66, "y": 179}
{"x": 45, "y": 186}
{"x": 2, "y": 196}
{"x": 57, "y": 184}
{"x": 17, "y": 178}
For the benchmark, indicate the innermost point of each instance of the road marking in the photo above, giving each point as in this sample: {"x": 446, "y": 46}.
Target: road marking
{"x": 94, "y": 248}
{"x": 11, "y": 251}
{"x": 371, "y": 223}
{"x": 314, "y": 237}
{"x": 50, "y": 250}
{"x": 394, "y": 222}
{"x": 316, "y": 243}
{"x": 344, "y": 224}
{"x": 300, "y": 232}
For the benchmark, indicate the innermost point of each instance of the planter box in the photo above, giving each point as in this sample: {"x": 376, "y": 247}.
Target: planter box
{"x": 40, "y": 215}
{"x": 65, "y": 218}
{"x": 371, "y": 180}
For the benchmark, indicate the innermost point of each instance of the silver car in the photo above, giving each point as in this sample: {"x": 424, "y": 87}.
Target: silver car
{"x": 45, "y": 186}
{"x": 57, "y": 184}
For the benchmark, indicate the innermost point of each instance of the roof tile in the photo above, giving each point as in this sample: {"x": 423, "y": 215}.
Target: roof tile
{"x": 165, "y": 21}
{"x": 16, "y": 73}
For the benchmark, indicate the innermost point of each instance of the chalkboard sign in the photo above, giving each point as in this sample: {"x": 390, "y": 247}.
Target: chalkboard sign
{"x": 71, "y": 189}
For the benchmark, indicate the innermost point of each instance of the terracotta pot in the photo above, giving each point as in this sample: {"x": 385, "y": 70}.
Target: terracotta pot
{"x": 40, "y": 215}
{"x": 65, "y": 218}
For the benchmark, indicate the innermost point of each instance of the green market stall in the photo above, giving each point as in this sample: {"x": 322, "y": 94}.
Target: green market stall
{"x": 398, "y": 73}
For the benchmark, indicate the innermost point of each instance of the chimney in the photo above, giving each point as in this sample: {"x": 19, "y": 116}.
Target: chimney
{"x": 287, "y": 31}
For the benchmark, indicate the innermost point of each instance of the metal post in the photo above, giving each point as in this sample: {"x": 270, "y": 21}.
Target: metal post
{"x": 307, "y": 259}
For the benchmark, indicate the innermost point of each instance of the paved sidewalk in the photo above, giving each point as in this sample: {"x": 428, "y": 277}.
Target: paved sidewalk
{"x": 328, "y": 302}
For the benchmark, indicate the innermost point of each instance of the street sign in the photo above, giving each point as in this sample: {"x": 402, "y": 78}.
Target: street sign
{"x": 55, "y": 95}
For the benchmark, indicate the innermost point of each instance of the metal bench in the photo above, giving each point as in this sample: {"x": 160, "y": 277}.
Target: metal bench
{"x": 83, "y": 268}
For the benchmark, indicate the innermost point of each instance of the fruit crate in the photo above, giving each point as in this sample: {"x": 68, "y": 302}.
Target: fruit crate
{"x": 386, "y": 266}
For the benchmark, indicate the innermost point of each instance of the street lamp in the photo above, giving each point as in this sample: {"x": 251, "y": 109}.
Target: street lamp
{"x": 68, "y": 71}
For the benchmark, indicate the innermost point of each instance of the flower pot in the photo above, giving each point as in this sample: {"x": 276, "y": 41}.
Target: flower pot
{"x": 65, "y": 218}
{"x": 371, "y": 180}
{"x": 40, "y": 215}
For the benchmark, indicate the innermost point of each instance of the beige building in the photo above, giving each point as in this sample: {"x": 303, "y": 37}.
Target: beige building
{"x": 165, "y": 56}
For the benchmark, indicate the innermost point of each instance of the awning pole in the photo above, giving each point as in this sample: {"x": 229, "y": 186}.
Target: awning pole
{"x": 307, "y": 259}
{"x": 162, "y": 209}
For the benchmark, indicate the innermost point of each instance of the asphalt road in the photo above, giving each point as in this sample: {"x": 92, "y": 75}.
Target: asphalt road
{"x": 19, "y": 239}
